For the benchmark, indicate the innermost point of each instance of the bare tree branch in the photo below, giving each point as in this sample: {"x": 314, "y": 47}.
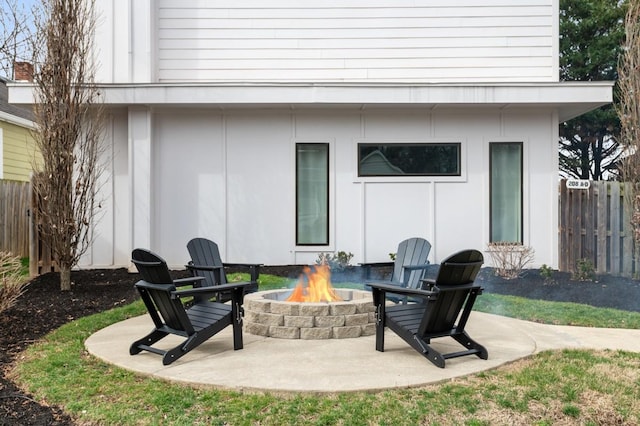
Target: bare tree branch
{"x": 17, "y": 34}
{"x": 69, "y": 116}
{"x": 629, "y": 110}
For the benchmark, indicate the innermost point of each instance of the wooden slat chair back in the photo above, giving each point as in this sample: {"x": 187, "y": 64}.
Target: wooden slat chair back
{"x": 409, "y": 267}
{"x": 411, "y": 261}
{"x": 164, "y": 302}
{"x": 206, "y": 262}
{"x": 443, "y": 301}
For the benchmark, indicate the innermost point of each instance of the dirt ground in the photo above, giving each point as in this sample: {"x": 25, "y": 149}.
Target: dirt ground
{"x": 43, "y": 308}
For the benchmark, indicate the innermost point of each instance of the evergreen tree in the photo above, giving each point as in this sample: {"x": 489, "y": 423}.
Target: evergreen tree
{"x": 591, "y": 35}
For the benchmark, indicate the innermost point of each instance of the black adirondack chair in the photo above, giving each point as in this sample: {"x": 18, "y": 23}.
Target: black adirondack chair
{"x": 197, "y": 322}
{"x": 445, "y": 300}
{"x": 206, "y": 262}
{"x": 408, "y": 268}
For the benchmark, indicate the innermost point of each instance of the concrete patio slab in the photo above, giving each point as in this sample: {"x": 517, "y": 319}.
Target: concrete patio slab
{"x": 343, "y": 365}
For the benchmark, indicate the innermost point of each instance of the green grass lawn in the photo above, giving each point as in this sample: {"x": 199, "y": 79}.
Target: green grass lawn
{"x": 568, "y": 387}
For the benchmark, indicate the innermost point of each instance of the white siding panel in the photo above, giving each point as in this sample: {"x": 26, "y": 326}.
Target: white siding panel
{"x": 357, "y": 40}
{"x": 336, "y": 4}
{"x": 189, "y": 180}
{"x": 386, "y": 224}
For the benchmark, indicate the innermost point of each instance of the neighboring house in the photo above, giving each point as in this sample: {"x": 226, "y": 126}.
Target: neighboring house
{"x": 17, "y": 147}
{"x": 253, "y": 123}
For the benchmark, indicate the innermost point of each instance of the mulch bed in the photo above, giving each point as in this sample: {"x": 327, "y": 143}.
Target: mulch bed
{"x": 43, "y": 308}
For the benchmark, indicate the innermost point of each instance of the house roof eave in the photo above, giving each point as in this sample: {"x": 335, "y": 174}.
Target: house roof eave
{"x": 569, "y": 98}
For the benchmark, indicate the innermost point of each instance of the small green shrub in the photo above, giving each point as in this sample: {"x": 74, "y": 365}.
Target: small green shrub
{"x": 546, "y": 272}
{"x": 585, "y": 271}
{"x": 337, "y": 262}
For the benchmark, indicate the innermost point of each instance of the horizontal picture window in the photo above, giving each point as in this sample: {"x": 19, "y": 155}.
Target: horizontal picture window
{"x": 409, "y": 159}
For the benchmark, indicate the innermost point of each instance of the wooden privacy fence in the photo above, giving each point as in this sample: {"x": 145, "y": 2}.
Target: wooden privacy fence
{"x": 18, "y": 231}
{"x": 15, "y": 204}
{"x": 594, "y": 224}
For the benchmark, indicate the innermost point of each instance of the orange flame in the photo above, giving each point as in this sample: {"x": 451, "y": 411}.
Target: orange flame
{"x": 318, "y": 288}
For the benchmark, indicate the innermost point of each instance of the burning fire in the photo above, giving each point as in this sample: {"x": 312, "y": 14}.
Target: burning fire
{"x": 318, "y": 288}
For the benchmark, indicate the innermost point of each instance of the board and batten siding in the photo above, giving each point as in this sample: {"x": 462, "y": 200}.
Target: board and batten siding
{"x": 454, "y": 41}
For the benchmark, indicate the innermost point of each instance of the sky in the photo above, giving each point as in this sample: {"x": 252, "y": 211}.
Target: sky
{"x": 23, "y": 7}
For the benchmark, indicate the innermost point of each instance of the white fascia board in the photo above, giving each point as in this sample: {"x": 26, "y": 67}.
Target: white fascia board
{"x": 18, "y": 121}
{"x": 571, "y": 98}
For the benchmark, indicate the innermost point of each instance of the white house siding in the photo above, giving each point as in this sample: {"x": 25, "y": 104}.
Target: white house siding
{"x": 229, "y": 175}
{"x": 209, "y": 98}
{"x": 351, "y": 40}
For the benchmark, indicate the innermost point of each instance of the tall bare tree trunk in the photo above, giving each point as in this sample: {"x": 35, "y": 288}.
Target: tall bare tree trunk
{"x": 69, "y": 118}
{"x": 628, "y": 109}
{"x": 65, "y": 278}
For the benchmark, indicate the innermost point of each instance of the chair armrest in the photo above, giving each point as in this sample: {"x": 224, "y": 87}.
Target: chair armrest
{"x": 246, "y": 265}
{"x": 186, "y": 281}
{"x": 376, "y": 264}
{"x": 385, "y": 282}
{"x": 199, "y": 291}
{"x": 390, "y": 288}
{"x": 431, "y": 283}
{"x": 445, "y": 288}
{"x": 203, "y": 267}
{"x": 169, "y": 286}
{"x": 162, "y": 287}
{"x": 417, "y": 267}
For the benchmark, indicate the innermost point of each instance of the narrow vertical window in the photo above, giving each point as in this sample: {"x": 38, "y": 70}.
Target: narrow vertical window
{"x": 312, "y": 194}
{"x": 506, "y": 191}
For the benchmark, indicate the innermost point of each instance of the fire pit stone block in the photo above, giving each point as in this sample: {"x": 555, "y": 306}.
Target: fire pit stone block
{"x": 284, "y": 332}
{"x": 264, "y": 318}
{"x": 257, "y": 305}
{"x": 291, "y": 309}
{"x": 268, "y": 314}
{"x": 369, "y": 329}
{"x": 256, "y": 329}
{"x": 298, "y": 321}
{"x": 364, "y": 305}
{"x": 329, "y": 321}
{"x": 315, "y": 309}
{"x": 347, "y": 332}
{"x": 356, "y": 319}
{"x": 343, "y": 308}
{"x": 315, "y": 333}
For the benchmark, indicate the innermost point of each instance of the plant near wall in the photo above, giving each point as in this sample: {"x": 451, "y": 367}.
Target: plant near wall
{"x": 509, "y": 259}
{"x": 12, "y": 280}
{"x": 584, "y": 271}
{"x": 337, "y": 262}
{"x": 546, "y": 272}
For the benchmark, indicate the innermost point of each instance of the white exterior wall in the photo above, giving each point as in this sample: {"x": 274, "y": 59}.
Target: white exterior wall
{"x": 329, "y": 40}
{"x": 210, "y": 97}
{"x": 230, "y": 176}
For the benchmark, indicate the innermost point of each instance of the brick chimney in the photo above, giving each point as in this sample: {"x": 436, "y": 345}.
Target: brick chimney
{"x": 23, "y": 71}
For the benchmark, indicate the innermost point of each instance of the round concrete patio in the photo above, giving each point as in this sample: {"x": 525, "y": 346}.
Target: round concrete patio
{"x": 343, "y": 365}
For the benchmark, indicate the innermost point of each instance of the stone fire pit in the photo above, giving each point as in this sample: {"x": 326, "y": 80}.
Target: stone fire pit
{"x": 267, "y": 314}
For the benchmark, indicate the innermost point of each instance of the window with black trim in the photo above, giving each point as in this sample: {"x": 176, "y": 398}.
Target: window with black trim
{"x": 505, "y": 163}
{"x": 312, "y": 193}
{"x": 409, "y": 159}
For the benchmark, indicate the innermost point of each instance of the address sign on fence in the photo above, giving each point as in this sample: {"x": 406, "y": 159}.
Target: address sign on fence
{"x": 578, "y": 183}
